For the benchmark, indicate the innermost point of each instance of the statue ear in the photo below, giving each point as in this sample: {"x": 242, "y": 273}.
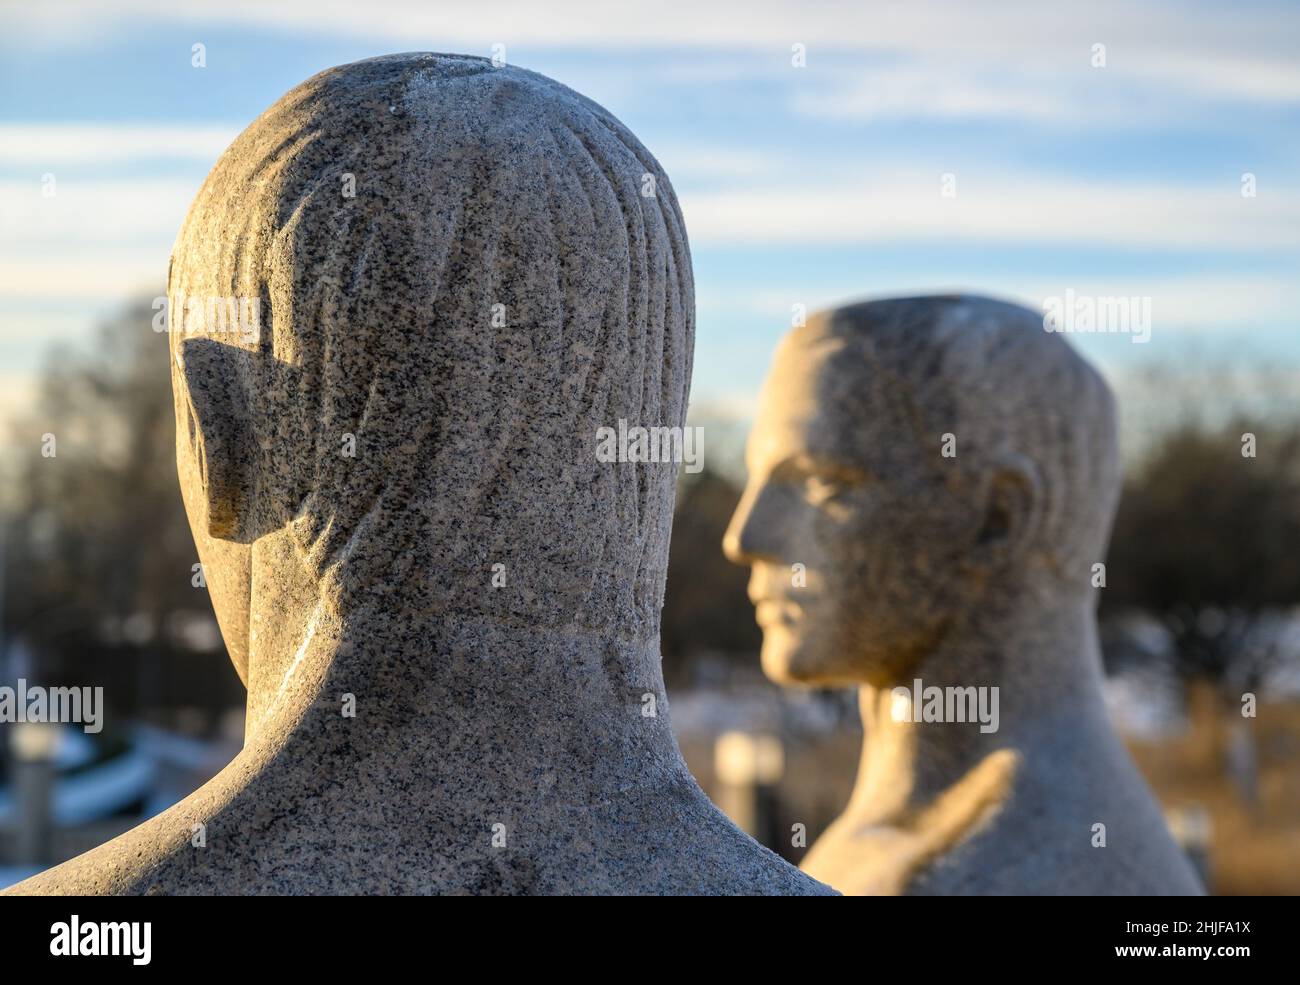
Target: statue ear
{"x": 219, "y": 431}
{"x": 1012, "y": 510}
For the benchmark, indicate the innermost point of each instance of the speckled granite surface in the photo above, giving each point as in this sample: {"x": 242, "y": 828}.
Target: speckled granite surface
{"x": 945, "y": 471}
{"x": 445, "y": 608}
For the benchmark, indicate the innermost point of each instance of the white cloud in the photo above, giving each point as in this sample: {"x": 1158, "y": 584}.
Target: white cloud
{"x": 1266, "y": 78}
{"x": 1201, "y": 304}
{"x": 47, "y": 326}
{"x": 928, "y": 89}
{"x": 906, "y": 206}
{"x": 17, "y": 393}
{"x": 695, "y": 163}
{"x": 101, "y": 277}
{"x": 99, "y": 212}
{"x": 1196, "y": 303}
{"x": 93, "y": 236}
{"x": 47, "y": 145}
{"x": 1238, "y": 51}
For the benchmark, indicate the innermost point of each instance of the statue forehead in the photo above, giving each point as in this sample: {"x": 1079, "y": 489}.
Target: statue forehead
{"x": 826, "y": 397}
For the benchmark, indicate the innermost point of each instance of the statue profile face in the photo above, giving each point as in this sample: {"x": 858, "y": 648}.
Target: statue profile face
{"x": 862, "y": 551}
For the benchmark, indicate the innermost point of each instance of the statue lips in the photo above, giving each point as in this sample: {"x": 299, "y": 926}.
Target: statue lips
{"x": 774, "y": 603}
{"x": 777, "y": 611}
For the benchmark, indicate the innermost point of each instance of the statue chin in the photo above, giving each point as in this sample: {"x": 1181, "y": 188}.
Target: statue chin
{"x": 790, "y": 658}
{"x": 787, "y": 658}
{"x": 776, "y": 655}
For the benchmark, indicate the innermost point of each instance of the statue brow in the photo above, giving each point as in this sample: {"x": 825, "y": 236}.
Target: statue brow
{"x": 811, "y": 463}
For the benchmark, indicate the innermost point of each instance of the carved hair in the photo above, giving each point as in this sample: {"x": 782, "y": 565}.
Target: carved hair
{"x": 511, "y": 274}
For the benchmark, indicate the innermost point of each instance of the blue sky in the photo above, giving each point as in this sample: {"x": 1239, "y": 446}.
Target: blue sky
{"x": 800, "y": 185}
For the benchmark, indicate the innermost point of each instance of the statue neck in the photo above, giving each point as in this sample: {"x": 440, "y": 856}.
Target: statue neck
{"x": 1044, "y": 661}
{"x": 499, "y": 706}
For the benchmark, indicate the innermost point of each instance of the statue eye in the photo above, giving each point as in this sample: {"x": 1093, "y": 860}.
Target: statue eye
{"x": 818, "y": 489}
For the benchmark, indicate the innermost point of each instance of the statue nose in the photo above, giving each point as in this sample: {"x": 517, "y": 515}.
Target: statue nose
{"x": 749, "y": 535}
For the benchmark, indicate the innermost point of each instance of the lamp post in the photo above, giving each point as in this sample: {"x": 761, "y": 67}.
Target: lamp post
{"x": 748, "y": 767}
{"x": 33, "y": 745}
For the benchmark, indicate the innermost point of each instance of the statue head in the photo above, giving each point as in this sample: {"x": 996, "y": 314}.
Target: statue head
{"x": 434, "y": 281}
{"x": 916, "y": 464}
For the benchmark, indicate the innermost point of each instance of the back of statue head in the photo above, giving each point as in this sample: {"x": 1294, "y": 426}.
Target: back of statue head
{"x": 449, "y": 276}
{"x": 916, "y": 462}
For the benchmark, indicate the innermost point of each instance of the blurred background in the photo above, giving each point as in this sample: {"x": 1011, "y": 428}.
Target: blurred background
{"x": 822, "y": 152}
